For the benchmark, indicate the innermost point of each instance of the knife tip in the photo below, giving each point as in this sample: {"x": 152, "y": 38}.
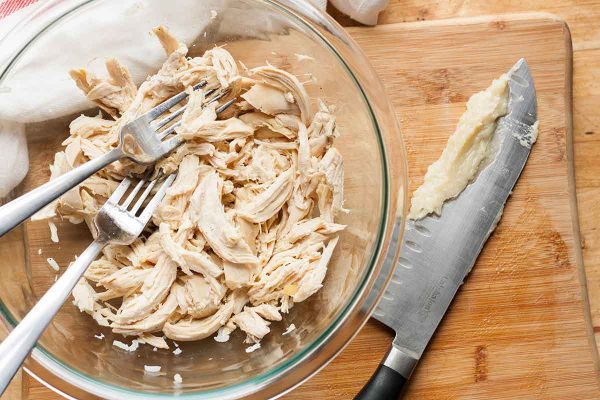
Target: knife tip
{"x": 520, "y": 65}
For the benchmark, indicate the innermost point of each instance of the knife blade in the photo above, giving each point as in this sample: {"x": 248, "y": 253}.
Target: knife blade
{"x": 438, "y": 252}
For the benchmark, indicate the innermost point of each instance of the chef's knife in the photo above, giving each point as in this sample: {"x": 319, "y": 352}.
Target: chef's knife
{"x": 438, "y": 252}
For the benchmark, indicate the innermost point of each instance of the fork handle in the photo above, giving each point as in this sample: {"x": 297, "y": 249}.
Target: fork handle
{"x": 18, "y": 210}
{"x": 23, "y": 338}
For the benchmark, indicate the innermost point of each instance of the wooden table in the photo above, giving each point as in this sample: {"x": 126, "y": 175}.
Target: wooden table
{"x": 582, "y": 17}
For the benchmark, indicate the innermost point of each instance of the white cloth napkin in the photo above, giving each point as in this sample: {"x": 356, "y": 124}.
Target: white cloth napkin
{"x": 52, "y": 94}
{"x": 364, "y": 11}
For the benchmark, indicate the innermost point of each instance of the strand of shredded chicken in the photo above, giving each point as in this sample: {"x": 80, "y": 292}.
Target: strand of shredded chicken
{"x": 246, "y": 230}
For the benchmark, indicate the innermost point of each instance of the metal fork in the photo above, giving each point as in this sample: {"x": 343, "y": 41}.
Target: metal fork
{"x": 141, "y": 140}
{"x": 116, "y": 224}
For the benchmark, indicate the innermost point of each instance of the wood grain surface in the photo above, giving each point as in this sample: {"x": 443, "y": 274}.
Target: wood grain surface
{"x": 516, "y": 325}
{"x": 518, "y": 328}
{"x": 582, "y": 17}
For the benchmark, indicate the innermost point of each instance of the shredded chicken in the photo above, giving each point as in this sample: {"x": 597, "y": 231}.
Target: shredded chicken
{"x": 113, "y": 95}
{"x": 246, "y": 230}
{"x": 154, "y": 341}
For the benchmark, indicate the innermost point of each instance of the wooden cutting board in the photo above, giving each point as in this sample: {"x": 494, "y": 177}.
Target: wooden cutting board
{"x": 519, "y": 328}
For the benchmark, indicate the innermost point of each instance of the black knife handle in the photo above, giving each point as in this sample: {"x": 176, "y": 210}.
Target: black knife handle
{"x": 388, "y": 381}
{"x": 385, "y": 384}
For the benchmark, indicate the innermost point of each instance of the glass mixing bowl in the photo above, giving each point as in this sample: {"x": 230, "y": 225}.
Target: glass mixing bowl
{"x": 60, "y": 35}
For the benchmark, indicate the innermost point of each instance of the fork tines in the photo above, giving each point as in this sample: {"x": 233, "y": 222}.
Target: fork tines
{"x": 151, "y": 206}
{"x": 170, "y": 102}
{"x": 167, "y": 104}
{"x": 166, "y": 132}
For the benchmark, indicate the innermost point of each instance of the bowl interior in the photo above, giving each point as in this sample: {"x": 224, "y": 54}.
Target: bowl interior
{"x": 255, "y": 32}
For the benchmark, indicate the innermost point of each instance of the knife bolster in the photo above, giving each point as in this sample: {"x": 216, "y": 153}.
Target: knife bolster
{"x": 400, "y": 361}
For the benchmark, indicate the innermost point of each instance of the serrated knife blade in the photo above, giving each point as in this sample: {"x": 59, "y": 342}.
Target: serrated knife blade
{"x": 438, "y": 252}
